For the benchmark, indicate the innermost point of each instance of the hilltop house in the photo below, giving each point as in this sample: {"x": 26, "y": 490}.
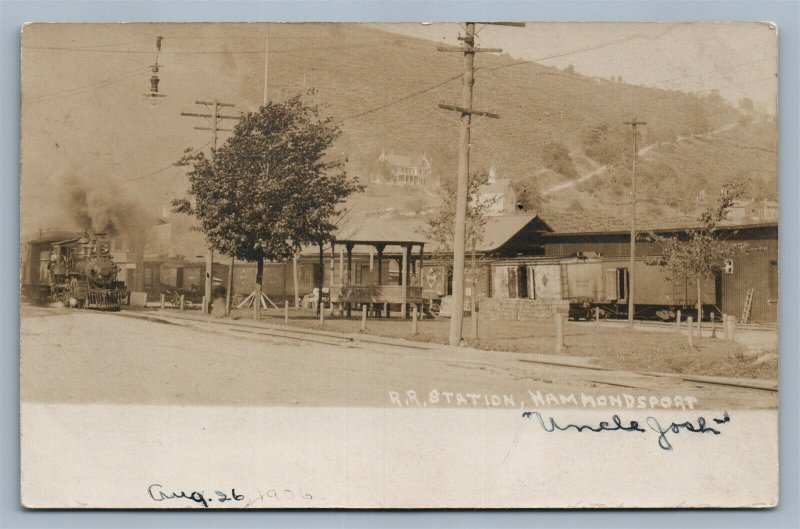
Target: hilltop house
{"x": 400, "y": 169}
{"x": 498, "y": 194}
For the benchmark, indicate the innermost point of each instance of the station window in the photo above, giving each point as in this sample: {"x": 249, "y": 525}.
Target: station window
{"x": 518, "y": 282}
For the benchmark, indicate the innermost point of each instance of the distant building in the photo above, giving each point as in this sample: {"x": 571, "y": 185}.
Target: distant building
{"x": 753, "y": 210}
{"x": 400, "y": 169}
{"x": 498, "y": 194}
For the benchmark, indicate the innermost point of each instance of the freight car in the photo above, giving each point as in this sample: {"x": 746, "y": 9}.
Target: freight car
{"x": 76, "y": 271}
{"x": 591, "y": 282}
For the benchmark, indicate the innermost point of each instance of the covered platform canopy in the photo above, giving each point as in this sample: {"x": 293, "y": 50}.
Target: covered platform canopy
{"x": 402, "y": 238}
{"x": 376, "y": 236}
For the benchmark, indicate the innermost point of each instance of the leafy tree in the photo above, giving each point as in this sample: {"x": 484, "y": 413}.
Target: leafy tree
{"x": 441, "y": 223}
{"x": 416, "y": 204}
{"x": 529, "y": 195}
{"x": 609, "y": 145}
{"x": 270, "y": 189}
{"x": 440, "y": 226}
{"x": 557, "y": 157}
{"x": 705, "y": 250}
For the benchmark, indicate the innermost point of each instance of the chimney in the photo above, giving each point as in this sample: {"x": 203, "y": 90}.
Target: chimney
{"x": 492, "y": 175}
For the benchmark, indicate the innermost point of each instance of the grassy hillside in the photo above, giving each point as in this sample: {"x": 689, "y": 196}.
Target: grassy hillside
{"x": 384, "y": 90}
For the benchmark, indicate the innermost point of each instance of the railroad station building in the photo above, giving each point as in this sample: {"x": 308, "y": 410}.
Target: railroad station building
{"x": 518, "y": 259}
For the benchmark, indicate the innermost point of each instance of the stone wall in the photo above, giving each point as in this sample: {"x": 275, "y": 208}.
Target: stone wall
{"x": 521, "y": 309}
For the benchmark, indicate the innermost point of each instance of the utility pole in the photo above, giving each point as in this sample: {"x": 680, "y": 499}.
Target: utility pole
{"x": 466, "y": 111}
{"x": 215, "y": 117}
{"x": 634, "y": 124}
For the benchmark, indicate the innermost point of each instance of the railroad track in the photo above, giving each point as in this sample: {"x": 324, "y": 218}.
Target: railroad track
{"x": 672, "y": 324}
{"x": 757, "y": 385}
{"x": 302, "y": 335}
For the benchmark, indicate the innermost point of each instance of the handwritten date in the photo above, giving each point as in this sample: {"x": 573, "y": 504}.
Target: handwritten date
{"x": 158, "y": 493}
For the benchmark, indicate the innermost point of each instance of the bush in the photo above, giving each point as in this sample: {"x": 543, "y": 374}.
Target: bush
{"x": 557, "y": 157}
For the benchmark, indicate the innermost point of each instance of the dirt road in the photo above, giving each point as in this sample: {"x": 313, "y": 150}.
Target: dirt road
{"x": 90, "y": 357}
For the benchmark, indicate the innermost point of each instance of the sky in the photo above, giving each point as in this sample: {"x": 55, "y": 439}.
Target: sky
{"x": 738, "y": 59}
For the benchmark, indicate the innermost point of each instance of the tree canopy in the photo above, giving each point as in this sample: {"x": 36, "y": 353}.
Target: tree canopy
{"x": 272, "y": 187}
{"x": 441, "y": 223}
{"x": 705, "y": 251}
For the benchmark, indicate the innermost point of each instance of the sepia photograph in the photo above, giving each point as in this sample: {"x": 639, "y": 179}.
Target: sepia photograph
{"x": 463, "y": 265}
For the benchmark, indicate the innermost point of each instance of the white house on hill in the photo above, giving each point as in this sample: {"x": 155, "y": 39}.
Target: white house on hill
{"x": 498, "y": 194}
{"x": 400, "y": 169}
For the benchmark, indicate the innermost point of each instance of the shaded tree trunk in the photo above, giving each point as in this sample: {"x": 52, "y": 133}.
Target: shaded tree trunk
{"x": 258, "y": 289}
{"x": 321, "y": 276}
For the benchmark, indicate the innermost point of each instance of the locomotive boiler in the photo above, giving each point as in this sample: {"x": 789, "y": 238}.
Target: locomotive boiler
{"x": 78, "y": 272}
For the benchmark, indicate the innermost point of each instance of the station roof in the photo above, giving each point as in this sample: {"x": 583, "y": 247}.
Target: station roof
{"x": 645, "y": 228}
{"x": 402, "y": 231}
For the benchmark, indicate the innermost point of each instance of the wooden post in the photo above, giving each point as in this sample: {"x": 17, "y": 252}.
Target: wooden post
{"x": 162, "y": 301}
{"x": 414, "y": 320}
{"x": 372, "y": 266}
{"x": 732, "y": 319}
{"x": 229, "y": 290}
{"x": 372, "y": 282}
{"x": 404, "y": 280}
{"x": 559, "y": 321}
{"x": 209, "y": 278}
{"x": 341, "y": 265}
{"x": 678, "y": 323}
{"x": 286, "y": 312}
{"x": 380, "y": 248}
{"x": 364, "y": 318}
{"x": 690, "y": 334}
{"x": 183, "y": 303}
{"x": 713, "y": 326}
{"x": 321, "y": 276}
{"x": 259, "y": 290}
{"x": 379, "y": 280}
{"x": 473, "y": 313}
{"x": 321, "y": 313}
{"x": 333, "y": 258}
{"x": 349, "y": 280}
{"x": 597, "y": 316}
{"x": 296, "y": 281}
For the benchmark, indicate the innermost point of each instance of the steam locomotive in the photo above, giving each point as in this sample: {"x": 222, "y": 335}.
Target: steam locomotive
{"x": 78, "y": 272}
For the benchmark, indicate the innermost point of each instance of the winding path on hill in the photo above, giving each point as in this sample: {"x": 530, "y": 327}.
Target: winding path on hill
{"x": 642, "y": 152}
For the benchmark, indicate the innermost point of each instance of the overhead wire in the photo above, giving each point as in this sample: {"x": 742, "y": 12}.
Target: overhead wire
{"x": 84, "y": 89}
{"x": 257, "y": 51}
{"x": 161, "y": 170}
{"x": 400, "y": 100}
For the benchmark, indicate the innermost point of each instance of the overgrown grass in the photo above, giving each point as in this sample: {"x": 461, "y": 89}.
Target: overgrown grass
{"x": 605, "y": 346}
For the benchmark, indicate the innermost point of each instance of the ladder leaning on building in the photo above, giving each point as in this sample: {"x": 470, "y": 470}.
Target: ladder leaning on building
{"x": 748, "y": 302}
